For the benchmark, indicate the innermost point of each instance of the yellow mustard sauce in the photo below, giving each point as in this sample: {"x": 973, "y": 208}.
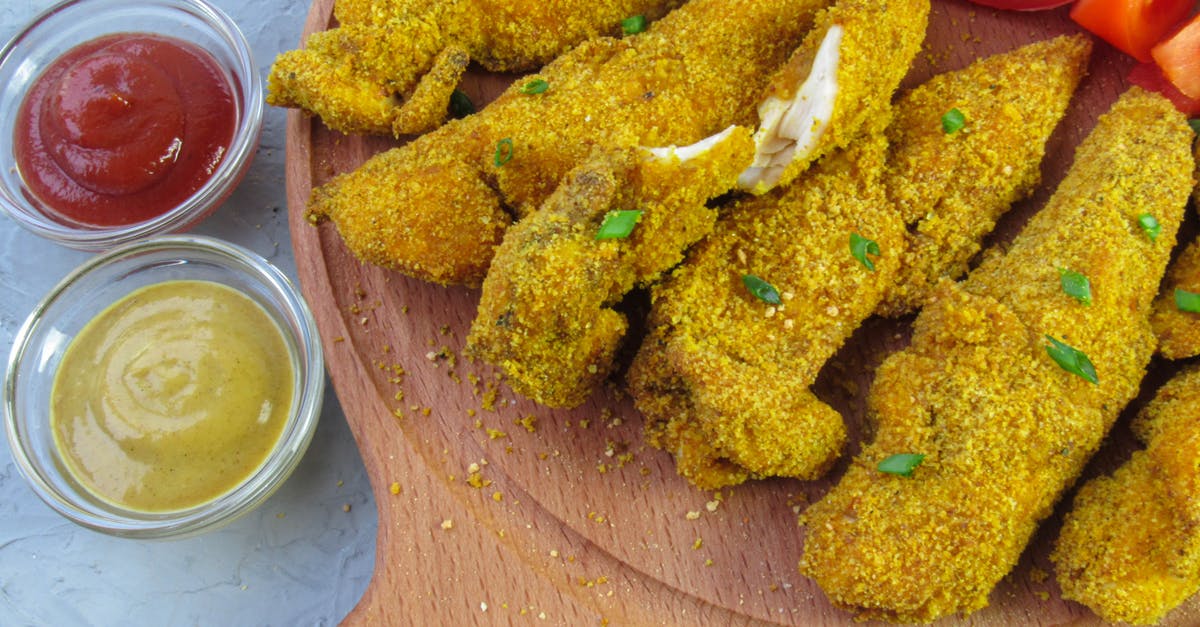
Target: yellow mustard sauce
{"x": 172, "y": 396}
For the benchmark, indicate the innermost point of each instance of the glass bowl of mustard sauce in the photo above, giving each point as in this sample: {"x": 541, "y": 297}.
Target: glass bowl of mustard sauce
{"x": 164, "y": 388}
{"x": 122, "y": 119}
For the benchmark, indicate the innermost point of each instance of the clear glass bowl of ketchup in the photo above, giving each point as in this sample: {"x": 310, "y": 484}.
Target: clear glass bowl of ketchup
{"x": 122, "y": 119}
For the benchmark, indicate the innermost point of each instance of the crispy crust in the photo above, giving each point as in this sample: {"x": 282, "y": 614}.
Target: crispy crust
{"x": 1005, "y": 430}
{"x": 546, "y": 315}
{"x": 384, "y": 68}
{"x": 951, "y": 188}
{"x": 1179, "y": 331}
{"x": 742, "y": 367}
{"x": 435, "y": 207}
{"x": 1130, "y": 547}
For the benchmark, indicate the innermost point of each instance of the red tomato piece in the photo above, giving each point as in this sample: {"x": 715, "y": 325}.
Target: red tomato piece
{"x": 1148, "y": 76}
{"x": 1022, "y": 5}
{"x": 1179, "y": 58}
{"x": 1133, "y": 26}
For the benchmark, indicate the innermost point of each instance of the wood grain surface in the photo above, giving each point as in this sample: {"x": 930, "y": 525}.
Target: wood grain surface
{"x": 570, "y": 518}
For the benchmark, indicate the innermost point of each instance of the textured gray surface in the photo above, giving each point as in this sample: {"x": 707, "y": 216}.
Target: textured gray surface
{"x": 300, "y": 559}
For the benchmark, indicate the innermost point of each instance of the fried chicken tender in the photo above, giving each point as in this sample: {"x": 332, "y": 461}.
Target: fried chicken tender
{"x": 437, "y": 207}
{"x": 841, "y": 78}
{"x": 390, "y": 67}
{"x": 730, "y": 372}
{"x": 690, "y": 428}
{"x": 1003, "y": 428}
{"x": 546, "y": 315}
{"x": 951, "y": 188}
{"x": 1130, "y": 547}
{"x": 1179, "y": 331}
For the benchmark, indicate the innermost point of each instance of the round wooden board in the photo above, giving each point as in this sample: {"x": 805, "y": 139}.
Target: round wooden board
{"x": 580, "y": 522}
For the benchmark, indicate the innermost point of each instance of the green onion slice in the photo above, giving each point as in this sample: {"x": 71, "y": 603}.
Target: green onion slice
{"x": 1072, "y": 360}
{"x": 1149, "y": 225}
{"x": 460, "y": 105}
{"x": 1195, "y": 124}
{"x": 504, "y": 152}
{"x": 618, "y": 224}
{"x": 633, "y": 24}
{"x": 860, "y": 247}
{"x": 1187, "y": 301}
{"x": 761, "y": 289}
{"x": 902, "y": 464}
{"x": 953, "y": 121}
{"x": 1076, "y": 285}
{"x": 535, "y": 86}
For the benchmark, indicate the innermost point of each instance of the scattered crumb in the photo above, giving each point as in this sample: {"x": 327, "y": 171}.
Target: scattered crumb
{"x": 447, "y": 524}
{"x": 346, "y": 507}
{"x": 693, "y": 515}
{"x": 395, "y": 489}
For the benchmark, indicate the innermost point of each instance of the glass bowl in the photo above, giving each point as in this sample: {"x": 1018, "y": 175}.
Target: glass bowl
{"x": 42, "y": 340}
{"x": 70, "y": 23}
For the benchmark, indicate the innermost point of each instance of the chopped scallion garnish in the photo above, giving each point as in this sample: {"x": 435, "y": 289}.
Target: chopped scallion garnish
{"x": 761, "y": 289}
{"x": 1072, "y": 360}
{"x": 460, "y": 105}
{"x": 860, "y": 247}
{"x": 535, "y": 86}
{"x": 504, "y": 152}
{"x": 1149, "y": 225}
{"x": 902, "y": 464}
{"x": 633, "y": 24}
{"x": 1195, "y": 124}
{"x": 618, "y": 224}
{"x": 1187, "y": 301}
{"x": 1076, "y": 285}
{"x": 953, "y": 121}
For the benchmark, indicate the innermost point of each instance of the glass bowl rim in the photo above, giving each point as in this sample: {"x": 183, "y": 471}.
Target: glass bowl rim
{"x": 279, "y": 464}
{"x": 243, "y": 143}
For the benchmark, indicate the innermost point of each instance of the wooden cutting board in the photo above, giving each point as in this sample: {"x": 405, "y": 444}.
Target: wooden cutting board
{"x": 495, "y": 510}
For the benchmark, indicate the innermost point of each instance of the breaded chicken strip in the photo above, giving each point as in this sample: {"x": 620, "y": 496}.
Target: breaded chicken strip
{"x": 950, "y": 188}
{"x": 839, "y": 80}
{"x": 546, "y": 316}
{"x": 1004, "y": 429}
{"x": 390, "y": 67}
{"x": 729, "y": 371}
{"x": 1130, "y": 547}
{"x": 669, "y": 394}
{"x": 437, "y": 207}
{"x": 1178, "y": 331}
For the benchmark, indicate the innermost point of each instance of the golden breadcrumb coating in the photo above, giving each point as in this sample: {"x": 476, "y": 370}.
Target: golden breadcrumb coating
{"x": 951, "y": 188}
{"x": 1179, "y": 331}
{"x": 742, "y": 367}
{"x": 390, "y": 67}
{"x": 437, "y": 207}
{"x": 546, "y": 314}
{"x": 878, "y": 41}
{"x": 666, "y": 396}
{"x": 1130, "y": 547}
{"x": 1003, "y": 428}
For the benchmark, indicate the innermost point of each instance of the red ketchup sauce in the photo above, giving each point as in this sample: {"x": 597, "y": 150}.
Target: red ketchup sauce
{"x": 123, "y": 128}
